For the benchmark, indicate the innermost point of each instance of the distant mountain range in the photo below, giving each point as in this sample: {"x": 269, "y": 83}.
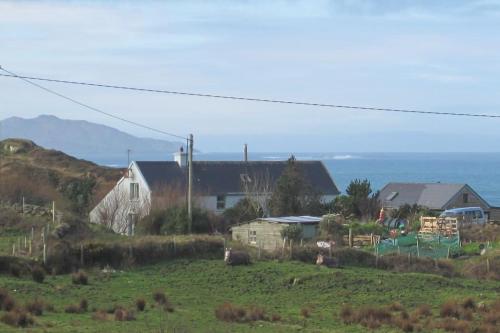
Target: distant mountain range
{"x": 83, "y": 139}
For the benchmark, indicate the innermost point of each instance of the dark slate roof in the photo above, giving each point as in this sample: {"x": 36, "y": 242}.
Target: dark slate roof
{"x": 430, "y": 195}
{"x": 222, "y": 177}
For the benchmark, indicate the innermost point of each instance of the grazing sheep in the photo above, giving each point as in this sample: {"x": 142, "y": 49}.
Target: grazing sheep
{"x": 328, "y": 262}
{"x": 236, "y": 257}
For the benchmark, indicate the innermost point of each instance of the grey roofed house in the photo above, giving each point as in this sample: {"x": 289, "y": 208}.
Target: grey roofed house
{"x": 435, "y": 196}
{"x": 217, "y": 186}
{"x": 226, "y": 177}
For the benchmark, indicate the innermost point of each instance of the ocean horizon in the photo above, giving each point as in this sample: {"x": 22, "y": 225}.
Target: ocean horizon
{"x": 480, "y": 170}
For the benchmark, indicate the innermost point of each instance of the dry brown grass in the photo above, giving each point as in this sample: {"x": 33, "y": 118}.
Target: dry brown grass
{"x": 17, "y": 318}
{"x": 80, "y": 277}
{"x": 35, "y": 307}
{"x": 232, "y": 313}
{"x": 124, "y": 315}
{"x": 162, "y": 300}
{"x": 7, "y": 302}
{"x": 140, "y": 304}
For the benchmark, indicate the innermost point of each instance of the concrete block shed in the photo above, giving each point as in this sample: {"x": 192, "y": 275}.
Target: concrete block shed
{"x": 266, "y": 232}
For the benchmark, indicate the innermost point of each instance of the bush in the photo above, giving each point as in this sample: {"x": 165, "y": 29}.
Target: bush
{"x": 7, "y": 303}
{"x": 347, "y": 314}
{"x": 423, "y": 310}
{"x": 82, "y": 307}
{"x": 292, "y": 232}
{"x": 17, "y": 318}
{"x": 140, "y": 304}
{"x": 161, "y": 299}
{"x": 38, "y": 274}
{"x": 174, "y": 220}
{"x": 305, "y": 312}
{"x": 100, "y": 315}
{"x": 450, "y": 309}
{"x": 80, "y": 277}
{"x": 124, "y": 315}
{"x": 232, "y": 313}
{"x": 35, "y": 307}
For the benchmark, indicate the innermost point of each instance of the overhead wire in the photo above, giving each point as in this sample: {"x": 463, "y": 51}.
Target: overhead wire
{"x": 253, "y": 99}
{"x": 28, "y": 80}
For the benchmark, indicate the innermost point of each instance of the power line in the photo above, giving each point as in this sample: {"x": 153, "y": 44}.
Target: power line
{"x": 251, "y": 99}
{"x": 27, "y": 80}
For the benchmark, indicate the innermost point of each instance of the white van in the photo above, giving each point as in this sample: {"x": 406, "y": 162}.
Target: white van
{"x": 474, "y": 215}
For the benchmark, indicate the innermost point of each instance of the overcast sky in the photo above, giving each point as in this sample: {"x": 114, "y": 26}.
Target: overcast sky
{"x": 426, "y": 55}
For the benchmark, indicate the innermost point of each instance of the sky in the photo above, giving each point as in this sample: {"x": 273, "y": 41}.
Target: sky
{"x": 426, "y": 55}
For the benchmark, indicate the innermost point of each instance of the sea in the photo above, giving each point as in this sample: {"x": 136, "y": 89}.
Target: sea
{"x": 480, "y": 170}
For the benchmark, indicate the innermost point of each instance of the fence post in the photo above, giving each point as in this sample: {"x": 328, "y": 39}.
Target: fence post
{"x": 448, "y": 255}
{"x": 487, "y": 265}
{"x": 81, "y": 255}
{"x": 418, "y": 250}
{"x": 175, "y": 248}
{"x": 44, "y": 253}
{"x": 260, "y": 245}
{"x": 25, "y": 243}
{"x": 283, "y": 249}
{"x": 32, "y": 233}
{"x": 30, "y": 249}
{"x": 350, "y": 237}
{"x": 14, "y": 249}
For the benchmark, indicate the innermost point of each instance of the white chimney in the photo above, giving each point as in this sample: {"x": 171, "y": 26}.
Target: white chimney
{"x": 181, "y": 158}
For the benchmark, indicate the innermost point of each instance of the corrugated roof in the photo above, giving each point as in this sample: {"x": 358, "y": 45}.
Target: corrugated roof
{"x": 430, "y": 195}
{"x": 292, "y": 219}
{"x": 221, "y": 177}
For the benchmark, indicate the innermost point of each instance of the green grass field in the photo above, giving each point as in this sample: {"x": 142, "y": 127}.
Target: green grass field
{"x": 196, "y": 287}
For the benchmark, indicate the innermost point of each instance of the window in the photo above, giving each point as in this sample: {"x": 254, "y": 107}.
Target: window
{"x": 134, "y": 191}
{"x": 221, "y": 202}
{"x": 465, "y": 197}
{"x": 391, "y": 196}
{"x": 252, "y": 236}
{"x": 479, "y": 214}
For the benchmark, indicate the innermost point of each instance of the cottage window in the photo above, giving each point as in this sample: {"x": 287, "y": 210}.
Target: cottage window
{"x": 134, "y": 191}
{"x": 465, "y": 197}
{"x": 252, "y": 237}
{"x": 221, "y": 202}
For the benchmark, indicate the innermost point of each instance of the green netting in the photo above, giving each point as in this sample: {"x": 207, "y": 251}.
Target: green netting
{"x": 434, "y": 246}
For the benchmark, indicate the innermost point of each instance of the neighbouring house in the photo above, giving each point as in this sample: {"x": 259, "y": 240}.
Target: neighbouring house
{"x": 434, "y": 196}
{"x": 217, "y": 185}
{"x": 266, "y": 232}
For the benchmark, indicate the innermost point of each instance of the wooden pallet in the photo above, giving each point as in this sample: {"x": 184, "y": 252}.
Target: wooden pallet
{"x": 446, "y": 226}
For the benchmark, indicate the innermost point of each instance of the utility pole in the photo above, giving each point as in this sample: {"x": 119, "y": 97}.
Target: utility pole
{"x": 190, "y": 183}
{"x": 245, "y": 152}
{"x": 128, "y": 161}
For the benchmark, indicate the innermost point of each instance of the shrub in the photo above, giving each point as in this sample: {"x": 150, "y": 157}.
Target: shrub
{"x": 275, "y": 317}
{"x": 469, "y": 303}
{"x": 82, "y": 307}
{"x": 305, "y": 312}
{"x": 423, "y": 310}
{"x": 347, "y": 314}
{"x": 372, "y": 317}
{"x": 450, "y": 309}
{"x": 396, "y": 306}
{"x": 80, "y": 277}
{"x": 15, "y": 270}
{"x": 38, "y": 274}
{"x": 163, "y": 300}
{"x": 124, "y": 315}
{"x": 100, "y": 315}
{"x": 17, "y": 318}
{"x": 7, "y": 303}
{"x": 456, "y": 326}
{"x": 230, "y": 313}
{"x": 72, "y": 308}
{"x": 140, "y": 304}
{"x": 35, "y": 307}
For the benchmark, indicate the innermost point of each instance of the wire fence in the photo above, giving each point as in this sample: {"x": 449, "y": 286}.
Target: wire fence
{"x": 433, "y": 246}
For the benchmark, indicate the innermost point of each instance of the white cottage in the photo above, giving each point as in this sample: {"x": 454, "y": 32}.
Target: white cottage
{"x": 217, "y": 185}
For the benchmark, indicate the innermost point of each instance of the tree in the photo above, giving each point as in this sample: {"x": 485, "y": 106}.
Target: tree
{"x": 292, "y": 232}
{"x": 258, "y": 189}
{"x": 359, "y": 202}
{"x": 293, "y": 195}
{"x": 244, "y": 210}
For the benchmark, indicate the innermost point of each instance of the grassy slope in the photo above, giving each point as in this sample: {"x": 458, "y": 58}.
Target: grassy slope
{"x": 36, "y": 168}
{"x": 196, "y": 287}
